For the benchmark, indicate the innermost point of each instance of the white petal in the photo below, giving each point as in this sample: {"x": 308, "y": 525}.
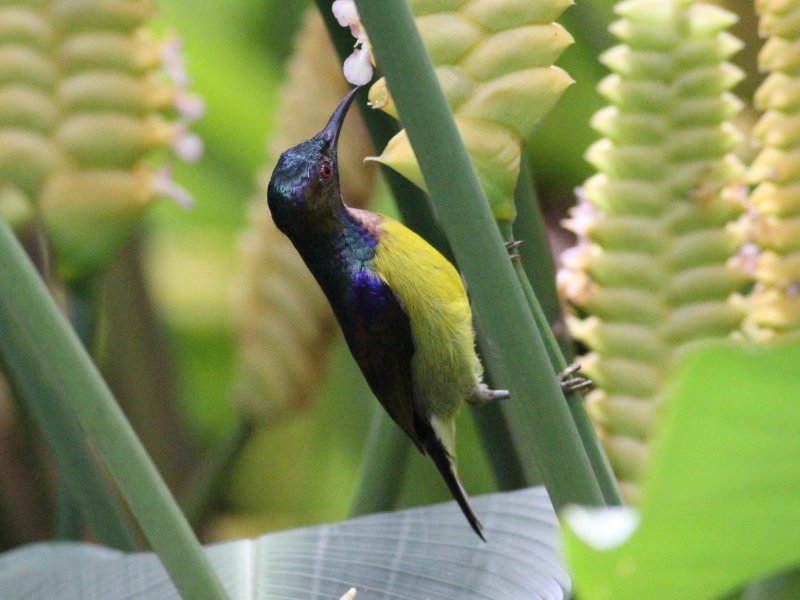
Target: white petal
{"x": 173, "y": 64}
{"x": 345, "y": 12}
{"x": 190, "y": 106}
{"x": 164, "y": 185}
{"x": 188, "y": 147}
{"x": 357, "y": 30}
{"x": 357, "y": 67}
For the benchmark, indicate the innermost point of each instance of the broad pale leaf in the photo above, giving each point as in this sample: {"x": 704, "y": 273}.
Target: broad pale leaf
{"x": 423, "y": 553}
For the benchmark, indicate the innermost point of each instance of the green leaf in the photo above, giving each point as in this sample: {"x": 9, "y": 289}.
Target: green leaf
{"x": 420, "y": 553}
{"x": 47, "y": 362}
{"x": 720, "y": 502}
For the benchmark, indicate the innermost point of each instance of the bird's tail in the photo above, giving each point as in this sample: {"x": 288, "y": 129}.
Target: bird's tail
{"x": 435, "y": 449}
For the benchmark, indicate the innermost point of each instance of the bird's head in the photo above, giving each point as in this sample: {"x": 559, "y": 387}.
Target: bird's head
{"x": 305, "y": 182}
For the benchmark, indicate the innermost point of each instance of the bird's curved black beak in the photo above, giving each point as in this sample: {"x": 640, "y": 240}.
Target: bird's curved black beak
{"x": 334, "y": 126}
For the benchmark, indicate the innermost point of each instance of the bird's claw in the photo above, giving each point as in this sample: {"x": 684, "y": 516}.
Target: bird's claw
{"x": 513, "y": 249}
{"x": 569, "y": 383}
{"x": 483, "y": 394}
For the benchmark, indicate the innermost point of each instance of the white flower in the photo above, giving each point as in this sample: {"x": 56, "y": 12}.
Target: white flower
{"x": 190, "y": 107}
{"x": 346, "y": 13}
{"x": 173, "y": 63}
{"x": 164, "y": 185}
{"x": 188, "y": 146}
{"x": 746, "y": 259}
{"x": 358, "y": 66}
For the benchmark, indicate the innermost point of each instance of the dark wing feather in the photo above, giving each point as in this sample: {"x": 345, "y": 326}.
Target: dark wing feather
{"x": 382, "y": 345}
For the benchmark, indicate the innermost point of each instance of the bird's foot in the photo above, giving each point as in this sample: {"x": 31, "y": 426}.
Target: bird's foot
{"x": 569, "y": 383}
{"x": 483, "y": 394}
{"x": 513, "y": 249}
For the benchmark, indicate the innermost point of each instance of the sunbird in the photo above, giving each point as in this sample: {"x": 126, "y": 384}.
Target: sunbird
{"x": 401, "y": 305}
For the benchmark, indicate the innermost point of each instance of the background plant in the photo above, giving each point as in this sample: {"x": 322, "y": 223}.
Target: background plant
{"x": 187, "y": 261}
{"x": 652, "y": 272}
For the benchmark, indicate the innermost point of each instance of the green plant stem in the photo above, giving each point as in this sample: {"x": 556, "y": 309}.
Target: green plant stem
{"x": 83, "y": 317}
{"x": 542, "y": 285}
{"x": 204, "y": 485}
{"x": 550, "y": 434}
{"x": 512, "y": 470}
{"x": 80, "y": 483}
{"x": 38, "y": 345}
{"x": 383, "y": 465}
{"x": 508, "y": 470}
{"x": 597, "y": 456}
{"x": 536, "y": 256}
{"x": 68, "y": 515}
{"x": 83, "y": 495}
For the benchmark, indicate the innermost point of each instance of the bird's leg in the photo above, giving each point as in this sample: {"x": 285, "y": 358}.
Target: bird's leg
{"x": 569, "y": 383}
{"x": 513, "y": 249}
{"x": 483, "y": 394}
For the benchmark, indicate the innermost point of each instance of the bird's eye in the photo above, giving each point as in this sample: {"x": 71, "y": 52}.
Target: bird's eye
{"x": 325, "y": 170}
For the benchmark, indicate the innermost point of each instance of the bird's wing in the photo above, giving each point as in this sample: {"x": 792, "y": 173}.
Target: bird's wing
{"x": 382, "y": 345}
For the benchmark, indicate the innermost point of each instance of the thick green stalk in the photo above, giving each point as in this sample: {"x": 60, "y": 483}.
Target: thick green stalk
{"x": 597, "y": 457}
{"x": 83, "y": 495}
{"x": 81, "y": 484}
{"x": 512, "y": 468}
{"x": 535, "y": 255}
{"x": 37, "y": 345}
{"x": 382, "y": 466}
{"x": 543, "y": 285}
{"x": 69, "y": 520}
{"x": 204, "y": 484}
{"x": 464, "y": 213}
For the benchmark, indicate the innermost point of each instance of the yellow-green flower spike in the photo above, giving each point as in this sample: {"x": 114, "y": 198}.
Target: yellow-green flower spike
{"x": 287, "y": 327}
{"x": 494, "y": 61}
{"x": 774, "y": 305}
{"x": 659, "y": 225}
{"x": 86, "y": 93}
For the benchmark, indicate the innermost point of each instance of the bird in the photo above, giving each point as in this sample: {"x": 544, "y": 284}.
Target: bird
{"x": 401, "y": 305}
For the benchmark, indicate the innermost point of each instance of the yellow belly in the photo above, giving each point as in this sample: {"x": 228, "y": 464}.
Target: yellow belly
{"x": 445, "y": 366}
